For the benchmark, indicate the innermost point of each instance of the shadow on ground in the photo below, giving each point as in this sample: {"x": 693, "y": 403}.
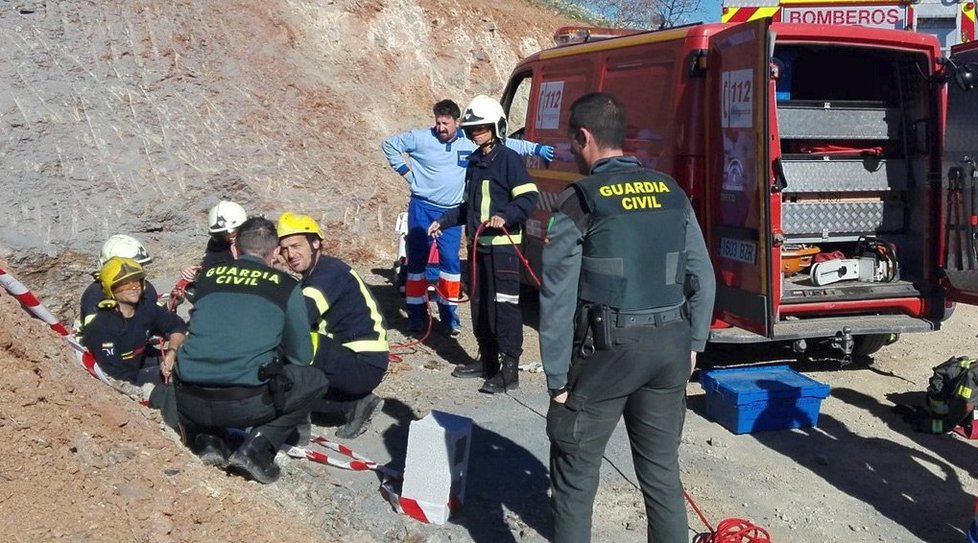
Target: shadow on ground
{"x": 918, "y": 490}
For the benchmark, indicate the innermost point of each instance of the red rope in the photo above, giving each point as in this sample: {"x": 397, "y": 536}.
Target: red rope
{"x": 432, "y": 257}
{"x": 730, "y": 530}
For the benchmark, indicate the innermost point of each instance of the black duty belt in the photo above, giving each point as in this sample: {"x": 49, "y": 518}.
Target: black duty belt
{"x": 221, "y": 393}
{"x": 630, "y": 319}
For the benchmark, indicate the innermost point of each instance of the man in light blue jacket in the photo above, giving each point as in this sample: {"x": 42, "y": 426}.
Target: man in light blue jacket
{"x": 435, "y": 170}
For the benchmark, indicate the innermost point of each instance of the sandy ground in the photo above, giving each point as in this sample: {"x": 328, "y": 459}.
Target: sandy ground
{"x": 84, "y": 463}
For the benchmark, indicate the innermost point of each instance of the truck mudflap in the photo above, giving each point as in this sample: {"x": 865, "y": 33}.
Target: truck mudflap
{"x": 827, "y": 327}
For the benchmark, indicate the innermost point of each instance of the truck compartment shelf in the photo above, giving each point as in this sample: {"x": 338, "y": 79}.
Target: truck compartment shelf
{"x": 818, "y": 219}
{"x": 844, "y": 174}
{"x": 838, "y": 120}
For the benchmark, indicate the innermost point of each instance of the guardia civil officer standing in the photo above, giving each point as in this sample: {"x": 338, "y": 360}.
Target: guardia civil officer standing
{"x": 247, "y": 361}
{"x": 628, "y": 297}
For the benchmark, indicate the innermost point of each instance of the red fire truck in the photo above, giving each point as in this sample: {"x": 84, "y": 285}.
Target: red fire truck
{"x": 953, "y": 21}
{"x": 832, "y": 167}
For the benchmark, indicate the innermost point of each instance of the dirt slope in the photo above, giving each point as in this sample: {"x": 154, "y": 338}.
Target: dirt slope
{"x": 137, "y": 116}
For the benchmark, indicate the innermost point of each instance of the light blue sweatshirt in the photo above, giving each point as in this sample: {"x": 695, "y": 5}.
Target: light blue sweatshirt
{"x": 438, "y": 169}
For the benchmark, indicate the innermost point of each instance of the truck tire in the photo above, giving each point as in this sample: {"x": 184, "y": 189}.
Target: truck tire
{"x": 869, "y": 344}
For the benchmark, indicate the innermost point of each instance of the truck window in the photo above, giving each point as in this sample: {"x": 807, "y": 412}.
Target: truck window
{"x": 645, "y": 86}
{"x": 519, "y": 106}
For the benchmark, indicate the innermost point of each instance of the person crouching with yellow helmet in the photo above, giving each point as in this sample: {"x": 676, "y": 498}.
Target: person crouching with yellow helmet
{"x": 118, "y": 333}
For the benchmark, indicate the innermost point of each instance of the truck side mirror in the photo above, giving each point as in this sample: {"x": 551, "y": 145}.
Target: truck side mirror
{"x": 964, "y": 76}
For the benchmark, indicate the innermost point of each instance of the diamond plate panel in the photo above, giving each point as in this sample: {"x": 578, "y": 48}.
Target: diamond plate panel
{"x": 818, "y": 218}
{"x": 843, "y": 175}
{"x": 830, "y": 121}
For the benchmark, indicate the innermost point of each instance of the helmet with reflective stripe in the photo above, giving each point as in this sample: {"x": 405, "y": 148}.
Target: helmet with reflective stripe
{"x": 483, "y": 111}
{"x": 225, "y": 216}
{"x": 125, "y": 246}
{"x": 296, "y": 223}
{"x": 118, "y": 270}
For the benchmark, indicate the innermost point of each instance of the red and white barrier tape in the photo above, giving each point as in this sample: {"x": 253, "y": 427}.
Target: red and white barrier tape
{"x": 32, "y": 304}
{"x": 406, "y": 506}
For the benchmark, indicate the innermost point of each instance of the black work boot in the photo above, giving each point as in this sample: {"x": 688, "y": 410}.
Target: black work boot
{"x": 359, "y": 417}
{"x": 302, "y": 434}
{"x": 255, "y": 458}
{"x": 508, "y": 377}
{"x": 484, "y": 367}
{"x": 211, "y": 450}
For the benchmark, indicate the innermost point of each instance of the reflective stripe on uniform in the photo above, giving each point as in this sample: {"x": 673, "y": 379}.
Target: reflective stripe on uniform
{"x": 314, "y": 294}
{"x": 507, "y": 298}
{"x": 374, "y": 315}
{"x": 523, "y": 189}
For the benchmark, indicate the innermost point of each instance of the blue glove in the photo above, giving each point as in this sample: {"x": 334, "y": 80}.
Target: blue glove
{"x": 545, "y": 152}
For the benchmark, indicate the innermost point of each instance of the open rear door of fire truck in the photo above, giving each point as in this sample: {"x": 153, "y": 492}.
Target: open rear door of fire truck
{"x": 738, "y": 179}
{"x": 960, "y": 175}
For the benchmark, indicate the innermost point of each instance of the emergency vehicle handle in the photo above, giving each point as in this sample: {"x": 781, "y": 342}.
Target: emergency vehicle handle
{"x": 832, "y": 168}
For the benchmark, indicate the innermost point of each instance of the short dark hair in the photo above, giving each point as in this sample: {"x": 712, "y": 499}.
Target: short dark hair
{"x": 604, "y": 117}
{"x": 447, "y": 107}
{"x": 257, "y": 237}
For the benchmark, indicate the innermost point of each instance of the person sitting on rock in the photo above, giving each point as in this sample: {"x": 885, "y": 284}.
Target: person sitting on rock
{"x": 117, "y": 245}
{"x": 349, "y": 336}
{"x": 117, "y": 335}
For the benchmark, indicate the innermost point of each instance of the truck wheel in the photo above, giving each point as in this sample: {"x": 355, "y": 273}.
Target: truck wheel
{"x": 869, "y": 344}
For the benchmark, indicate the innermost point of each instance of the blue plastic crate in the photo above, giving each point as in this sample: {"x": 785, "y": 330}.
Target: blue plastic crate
{"x": 759, "y": 398}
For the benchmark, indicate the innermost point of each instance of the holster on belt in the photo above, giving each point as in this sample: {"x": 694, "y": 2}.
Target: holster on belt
{"x": 599, "y": 317}
{"x": 279, "y": 383}
{"x": 592, "y": 329}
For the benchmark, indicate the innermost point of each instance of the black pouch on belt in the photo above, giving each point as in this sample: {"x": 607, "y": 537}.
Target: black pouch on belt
{"x": 279, "y": 384}
{"x": 583, "y": 341}
{"x": 599, "y": 315}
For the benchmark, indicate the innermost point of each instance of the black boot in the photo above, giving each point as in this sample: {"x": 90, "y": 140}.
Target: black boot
{"x": 255, "y": 458}
{"x": 508, "y": 377}
{"x": 359, "y": 417}
{"x": 211, "y": 450}
{"x": 479, "y": 368}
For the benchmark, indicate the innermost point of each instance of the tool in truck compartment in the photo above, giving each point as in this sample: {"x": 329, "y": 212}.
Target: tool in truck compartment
{"x": 954, "y": 229}
{"x": 875, "y": 261}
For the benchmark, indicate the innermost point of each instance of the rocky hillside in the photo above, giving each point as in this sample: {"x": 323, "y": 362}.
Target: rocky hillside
{"x": 136, "y": 116}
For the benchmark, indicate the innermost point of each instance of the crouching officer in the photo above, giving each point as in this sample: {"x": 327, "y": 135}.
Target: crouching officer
{"x": 628, "y": 288}
{"x": 247, "y": 360}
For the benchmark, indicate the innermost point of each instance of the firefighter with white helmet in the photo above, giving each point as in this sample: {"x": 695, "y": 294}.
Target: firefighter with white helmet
{"x": 116, "y": 335}
{"x": 435, "y": 171}
{"x": 223, "y": 221}
{"x": 349, "y": 337}
{"x": 499, "y": 196}
{"x": 119, "y": 245}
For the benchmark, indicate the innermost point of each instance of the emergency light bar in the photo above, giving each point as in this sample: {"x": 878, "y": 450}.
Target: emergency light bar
{"x": 572, "y": 35}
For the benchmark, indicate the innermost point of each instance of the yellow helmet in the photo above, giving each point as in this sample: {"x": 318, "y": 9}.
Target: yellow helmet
{"x": 296, "y": 223}
{"x": 118, "y": 270}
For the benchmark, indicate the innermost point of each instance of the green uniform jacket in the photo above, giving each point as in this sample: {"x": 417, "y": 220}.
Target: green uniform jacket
{"x": 563, "y": 255}
{"x": 246, "y": 313}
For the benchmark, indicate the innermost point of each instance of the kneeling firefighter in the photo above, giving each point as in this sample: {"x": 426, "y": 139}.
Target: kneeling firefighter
{"x": 348, "y": 332}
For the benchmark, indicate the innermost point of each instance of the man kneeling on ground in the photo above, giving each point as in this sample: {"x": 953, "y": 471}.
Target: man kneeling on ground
{"x": 247, "y": 360}
{"x": 349, "y": 337}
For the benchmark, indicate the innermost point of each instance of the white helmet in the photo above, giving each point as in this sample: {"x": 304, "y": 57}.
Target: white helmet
{"x": 225, "y": 216}
{"x": 123, "y": 246}
{"x": 483, "y": 110}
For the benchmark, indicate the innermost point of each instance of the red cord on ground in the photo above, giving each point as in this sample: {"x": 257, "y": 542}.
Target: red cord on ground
{"x": 731, "y": 530}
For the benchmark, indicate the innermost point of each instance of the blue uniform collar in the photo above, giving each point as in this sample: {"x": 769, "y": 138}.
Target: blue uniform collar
{"x": 615, "y": 163}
